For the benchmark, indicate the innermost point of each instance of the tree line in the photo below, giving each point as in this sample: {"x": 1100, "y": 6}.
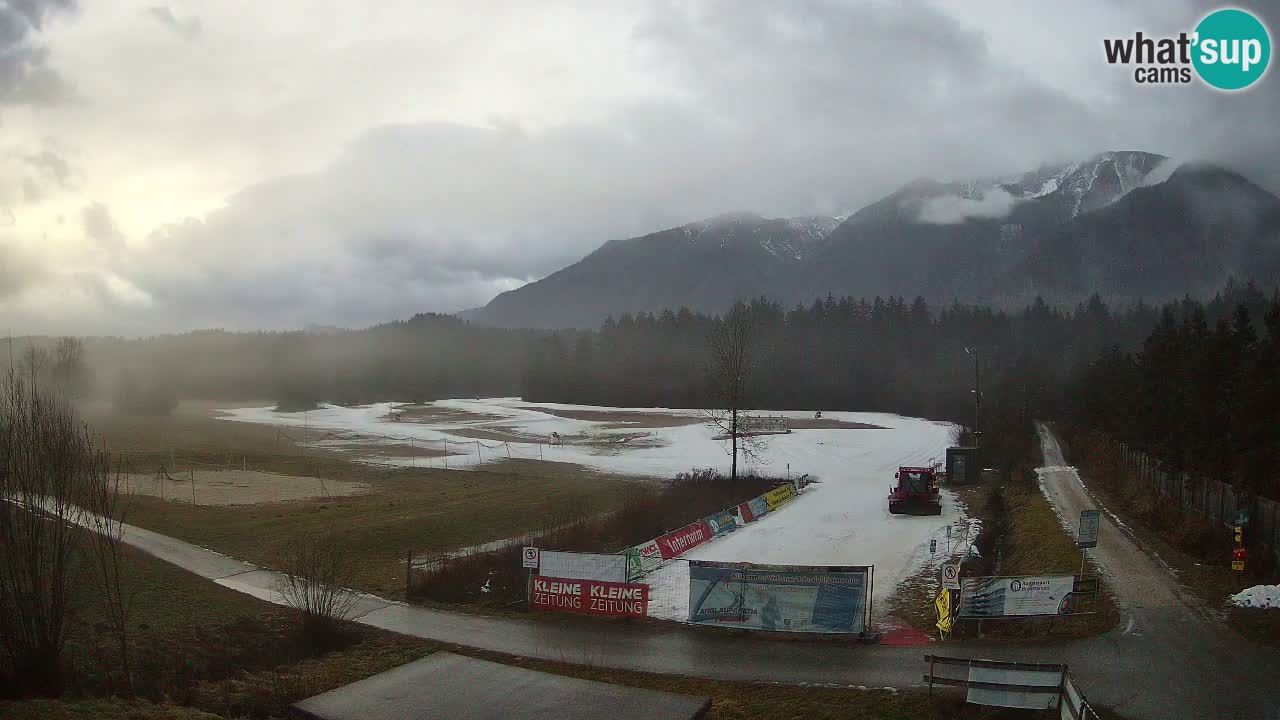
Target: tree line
{"x": 1191, "y": 382}
{"x": 1201, "y": 392}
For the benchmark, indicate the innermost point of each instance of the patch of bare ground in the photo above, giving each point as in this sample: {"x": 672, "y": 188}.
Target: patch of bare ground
{"x": 622, "y": 419}
{"x": 826, "y": 424}
{"x": 431, "y": 413}
{"x": 235, "y": 487}
{"x": 618, "y": 419}
{"x": 497, "y": 434}
{"x": 418, "y": 510}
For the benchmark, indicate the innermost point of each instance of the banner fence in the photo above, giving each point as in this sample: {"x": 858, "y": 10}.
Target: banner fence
{"x": 781, "y": 598}
{"x": 654, "y": 580}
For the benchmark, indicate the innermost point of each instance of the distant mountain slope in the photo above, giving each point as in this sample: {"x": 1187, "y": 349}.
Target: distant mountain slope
{"x": 1185, "y": 235}
{"x": 701, "y": 265}
{"x": 1118, "y": 223}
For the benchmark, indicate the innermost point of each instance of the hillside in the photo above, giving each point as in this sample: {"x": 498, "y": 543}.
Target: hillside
{"x": 1119, "y": 223}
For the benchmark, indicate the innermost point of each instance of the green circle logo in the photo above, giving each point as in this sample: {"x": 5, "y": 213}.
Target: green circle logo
{"x": 1232, "y": 49}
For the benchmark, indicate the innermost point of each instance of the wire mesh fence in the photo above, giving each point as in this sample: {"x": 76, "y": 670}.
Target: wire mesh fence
{"x": 1213, "y": 499}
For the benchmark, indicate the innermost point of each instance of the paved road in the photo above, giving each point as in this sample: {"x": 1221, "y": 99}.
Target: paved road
{"x": 1198, "y": 667}
{"x": 1174, "y": 663}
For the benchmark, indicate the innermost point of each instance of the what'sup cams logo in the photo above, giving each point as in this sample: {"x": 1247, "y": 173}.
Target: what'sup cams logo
{"x": 1229, "y": 50}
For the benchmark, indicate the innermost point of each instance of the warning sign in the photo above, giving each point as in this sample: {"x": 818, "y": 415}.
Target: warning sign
{"x": 943, "y": 605}
{"x": 530, "y": 557}
{"x": 951, "y": 576}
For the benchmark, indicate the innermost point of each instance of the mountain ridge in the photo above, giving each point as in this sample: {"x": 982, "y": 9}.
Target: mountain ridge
{"x": 1124, "y": 223}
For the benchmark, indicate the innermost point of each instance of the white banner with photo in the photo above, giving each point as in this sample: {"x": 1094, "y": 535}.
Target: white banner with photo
{"x": 997, "y": 597}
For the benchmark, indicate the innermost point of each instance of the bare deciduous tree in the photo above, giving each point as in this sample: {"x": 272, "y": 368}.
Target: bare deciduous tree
{"x": 318, "y": 571}
{"x": 69, "y": 369}
{"x": 108, "y": 551}
{"x": 35, "y": 359}
{"x": 733, "y": 356}
{"x": 49, "y": 469}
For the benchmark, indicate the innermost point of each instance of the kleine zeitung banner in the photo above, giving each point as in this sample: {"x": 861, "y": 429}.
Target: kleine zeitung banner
{"x": 589, "y": 597}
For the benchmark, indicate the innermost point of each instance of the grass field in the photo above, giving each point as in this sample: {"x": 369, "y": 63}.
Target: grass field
{"x": 205, "y": 652}
{"x": 426, "y": 511}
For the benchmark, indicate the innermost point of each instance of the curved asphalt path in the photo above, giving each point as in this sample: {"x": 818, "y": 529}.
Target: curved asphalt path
{"x": 1174, "y": 662}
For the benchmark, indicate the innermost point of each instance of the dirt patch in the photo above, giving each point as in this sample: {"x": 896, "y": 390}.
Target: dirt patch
{"x": 498, "y": 434}
{"x": 621, "y": 419}
{"x": 235, "y": 487}
{"x": 434, "y": 414}
{"x": 618, "y": 419}
{"x": 374, "y": 448}
{"x": 826, "y": 424}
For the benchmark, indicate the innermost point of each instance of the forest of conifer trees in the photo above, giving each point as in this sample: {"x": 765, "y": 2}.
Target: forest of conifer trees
{"x": 1194, "y": 383}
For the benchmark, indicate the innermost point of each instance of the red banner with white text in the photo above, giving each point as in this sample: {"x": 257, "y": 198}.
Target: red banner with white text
{"x": 590, "y": 597}
{"x": 678, "y": 542}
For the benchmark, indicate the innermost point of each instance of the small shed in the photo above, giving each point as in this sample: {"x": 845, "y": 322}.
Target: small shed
{"x": 964, "y": 465}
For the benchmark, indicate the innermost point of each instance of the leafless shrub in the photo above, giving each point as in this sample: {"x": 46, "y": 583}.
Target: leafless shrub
{"x": 318, "y": 571}
{"x": 49, "y": 470}
{"x": 108, "y": 553}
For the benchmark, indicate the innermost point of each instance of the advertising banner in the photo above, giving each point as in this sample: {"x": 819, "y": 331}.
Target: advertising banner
{"x": 786, "y": 598}
{"x": 1090, "y": 521}
{"x": 674, "y": 544}
{"x": 643, "y": 559}
{"x": 779, "y": 496}
{"x": 758, "y": 507}
{"x": 590, "y": 597}
{"x": 997, "y": 597}
{"x": 723, "y": 522}
{"x": 583, "y": 566}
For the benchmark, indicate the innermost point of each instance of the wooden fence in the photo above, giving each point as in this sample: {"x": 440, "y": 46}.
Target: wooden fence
{"x": 1213, "y": 499}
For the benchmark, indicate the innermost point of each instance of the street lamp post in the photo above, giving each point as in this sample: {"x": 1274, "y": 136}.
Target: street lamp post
{"x": 977, "y": 394}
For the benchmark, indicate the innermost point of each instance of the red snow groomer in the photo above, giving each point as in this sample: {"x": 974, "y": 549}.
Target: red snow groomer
{"x": 916, "y": 492}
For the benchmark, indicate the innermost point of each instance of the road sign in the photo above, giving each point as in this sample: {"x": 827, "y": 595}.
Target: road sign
{"x": 1090, "y": 522}
{"x": 530, "y": 557}
{"x": 1237, "y": 565}
{"x": 933, "y": 545}
{"x": 951, "y": 576}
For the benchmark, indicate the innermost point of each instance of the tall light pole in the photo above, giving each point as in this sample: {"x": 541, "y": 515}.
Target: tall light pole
{"x": 977, "y": 394}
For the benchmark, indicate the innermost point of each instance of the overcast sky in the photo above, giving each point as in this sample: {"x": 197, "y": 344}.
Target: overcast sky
{"x": 248, "y": 164}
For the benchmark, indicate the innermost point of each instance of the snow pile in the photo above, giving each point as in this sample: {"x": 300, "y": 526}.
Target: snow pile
{"x": 1258, "y": 596}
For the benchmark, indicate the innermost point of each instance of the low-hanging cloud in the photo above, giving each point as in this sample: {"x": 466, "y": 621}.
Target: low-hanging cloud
{"x": 994, "y": 203}
{"x": 783, "y": 109}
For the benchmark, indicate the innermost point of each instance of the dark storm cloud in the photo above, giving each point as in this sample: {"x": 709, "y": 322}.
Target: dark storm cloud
{"x": 25, "y": 76}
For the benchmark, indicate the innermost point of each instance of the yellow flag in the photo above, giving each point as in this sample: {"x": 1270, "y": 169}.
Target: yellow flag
{"x": 943, "y": 603}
